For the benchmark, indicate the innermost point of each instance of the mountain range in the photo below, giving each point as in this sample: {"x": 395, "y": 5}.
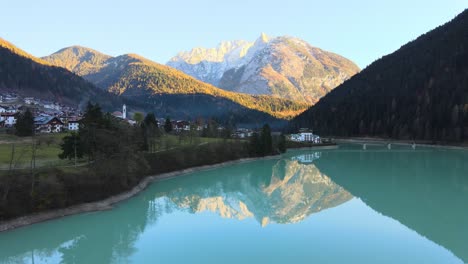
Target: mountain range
{"x": 285, "y": 67}
{"x": 418, "y": 92}
{"x": 23, "y": 73}
{"x": 167, "y": 90}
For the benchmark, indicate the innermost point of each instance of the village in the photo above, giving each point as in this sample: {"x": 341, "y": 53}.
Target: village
{"x": 49, "y": 116}
{"x": 53, "y": 117}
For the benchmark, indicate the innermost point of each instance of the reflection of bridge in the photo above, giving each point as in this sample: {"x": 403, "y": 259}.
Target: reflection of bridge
{"x": 374, "y": 150}
{"x": 307, "y": 158}
{"x": 388, "y": 145}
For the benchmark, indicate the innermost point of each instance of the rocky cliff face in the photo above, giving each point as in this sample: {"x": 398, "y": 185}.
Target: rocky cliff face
{"x": 286, "y": 67}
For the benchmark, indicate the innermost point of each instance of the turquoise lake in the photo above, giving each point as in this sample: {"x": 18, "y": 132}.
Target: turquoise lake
{"x": 345, "y": 205}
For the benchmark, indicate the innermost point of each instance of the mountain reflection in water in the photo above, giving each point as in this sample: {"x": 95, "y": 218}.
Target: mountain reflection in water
{"x": 287, "y": 193}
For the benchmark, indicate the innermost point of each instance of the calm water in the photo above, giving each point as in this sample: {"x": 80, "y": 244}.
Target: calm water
{"x": 332, "y": 206}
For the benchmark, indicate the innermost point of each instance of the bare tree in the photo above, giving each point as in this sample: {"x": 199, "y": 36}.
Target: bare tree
{"x": 33, "y": 163}
{"x": 12, "y": 166}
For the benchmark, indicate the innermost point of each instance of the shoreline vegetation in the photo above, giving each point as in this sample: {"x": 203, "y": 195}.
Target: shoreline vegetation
{"x": 108, "y": 203}
{"x": 110, "y": 157}
{"x": 113, "y": 160}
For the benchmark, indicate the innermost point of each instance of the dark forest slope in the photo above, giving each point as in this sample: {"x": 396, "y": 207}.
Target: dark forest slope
{"x": 30, "y": 76}
{"x": 418, "y": 92}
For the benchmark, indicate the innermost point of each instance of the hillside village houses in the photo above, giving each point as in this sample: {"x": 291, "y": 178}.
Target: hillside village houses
{"x": 49, "y": 117}
{"x": 52, "y": 117}
{"x": 242, "y": 133}
{"x": 48, "y": 124}
{"x": 180, "y": 125}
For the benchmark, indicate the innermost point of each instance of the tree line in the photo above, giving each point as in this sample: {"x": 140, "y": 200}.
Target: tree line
{"x": 419, "y": 92}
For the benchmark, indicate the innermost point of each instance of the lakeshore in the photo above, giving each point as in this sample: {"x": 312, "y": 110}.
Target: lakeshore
{"x": 108, "y": 203}
{"x": 331, "y": 194}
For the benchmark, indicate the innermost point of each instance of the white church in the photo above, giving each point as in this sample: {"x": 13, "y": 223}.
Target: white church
{"x": 122, "y": 114}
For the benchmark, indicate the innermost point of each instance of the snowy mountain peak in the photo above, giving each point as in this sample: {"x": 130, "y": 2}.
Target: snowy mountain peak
{"x": 283, "y": 66}
{"x": 264, "y": 38}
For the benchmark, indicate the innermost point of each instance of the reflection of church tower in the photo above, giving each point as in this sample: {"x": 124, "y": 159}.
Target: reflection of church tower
{"x": 124, "y": 112}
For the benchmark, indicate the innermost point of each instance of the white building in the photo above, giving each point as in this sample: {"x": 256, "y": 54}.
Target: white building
{"x": 73, "y": 125}
{"x": 305, "y": 137}
{"x": 8, "y": 118}
{"x": 10, "y": 97}
{"x": 49, "y": 105}
{"x": 29, "y": 100}
{"x": 242, "y": 133}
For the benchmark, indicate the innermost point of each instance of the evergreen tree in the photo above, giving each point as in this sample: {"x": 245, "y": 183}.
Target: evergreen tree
{"x": 150, "y": 120}
{"x": 282, "y": 143}
{"x": 266, "y": 140}
{"x": 255, "y": 146}
{"x": 92, "y": 120}
{"x": 150, "y": 130}
{"x": 111, "y": 144}
{"x": 93, "y": 116}
{"x": 71, "y": 147}
{"x": 168, "y": 125}
{"x": 24, "y": 124}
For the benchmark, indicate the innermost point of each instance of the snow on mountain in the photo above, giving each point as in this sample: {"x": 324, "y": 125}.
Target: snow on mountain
{"x": 286, "y": 67}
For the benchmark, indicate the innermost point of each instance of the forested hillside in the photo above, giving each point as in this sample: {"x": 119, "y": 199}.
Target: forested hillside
{"x": 23, "y": 73}
{"x": 134, "y": 77}
{"x": 418, "y": 92}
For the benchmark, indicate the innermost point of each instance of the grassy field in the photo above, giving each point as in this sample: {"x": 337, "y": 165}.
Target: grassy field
{"x": 170, "y": 141}
{"x": 49, "y": 148}
{"x": 47, "y": 151}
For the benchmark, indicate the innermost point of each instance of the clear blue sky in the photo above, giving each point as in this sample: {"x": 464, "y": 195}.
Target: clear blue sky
{"x": 361, "y": 30}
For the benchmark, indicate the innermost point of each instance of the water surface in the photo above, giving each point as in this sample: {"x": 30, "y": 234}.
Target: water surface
{"x": 334, "y": 206}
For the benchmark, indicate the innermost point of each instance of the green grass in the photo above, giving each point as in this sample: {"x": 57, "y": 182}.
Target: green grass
{"x": 169, "y": 141}
{"x": 49, "y": 148}
{"x": 47, "y": 151}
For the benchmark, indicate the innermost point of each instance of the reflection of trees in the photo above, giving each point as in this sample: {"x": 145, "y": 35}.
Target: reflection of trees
{"x": 101, "y": 237}
{"x": 426, "y": 190}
